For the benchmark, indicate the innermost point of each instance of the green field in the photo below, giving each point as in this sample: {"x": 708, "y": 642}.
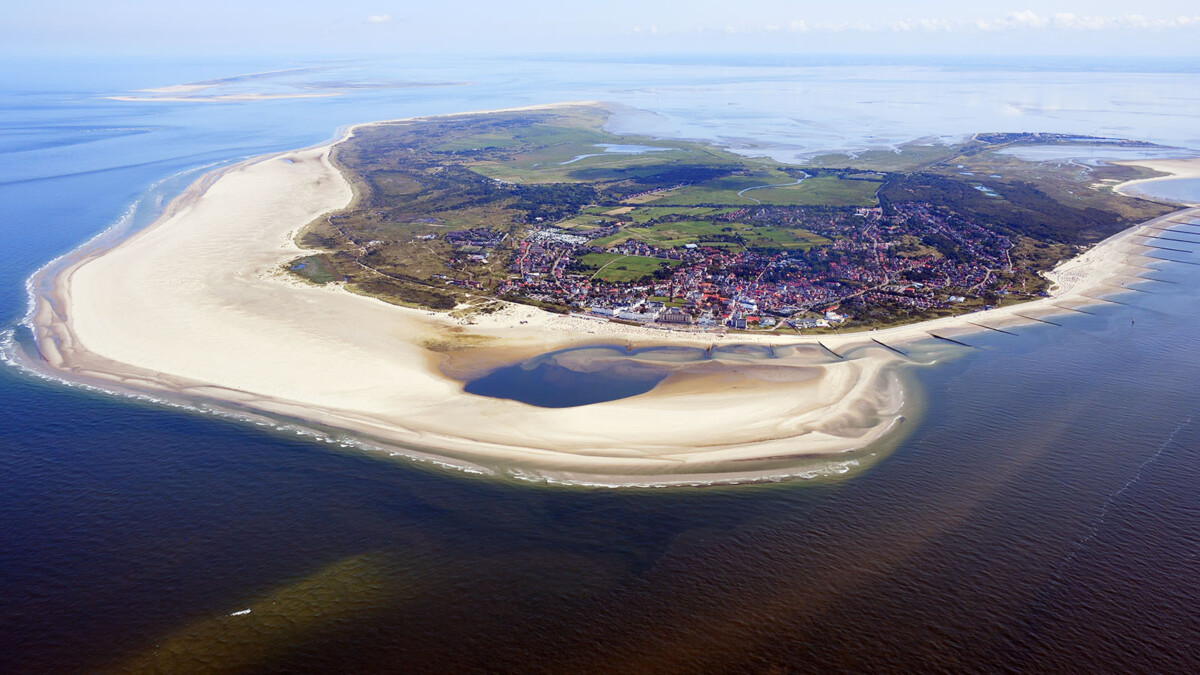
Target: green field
{"x": 777, "y": 237}
{"x": 667, "y": 235}
{"x": 315, "y": 268}
{"x": 615, "y": 267}
{"x": 644, "y": 214}
{"x": 572, "y": 154}
{"x": 824, "y": 190}
{"x": 579, "y": 224}
{"x": 673, "y": 235}
{"x": 669, "y": 302}
{"x": 532, "y": 135}
{"x": 723, "y": 190}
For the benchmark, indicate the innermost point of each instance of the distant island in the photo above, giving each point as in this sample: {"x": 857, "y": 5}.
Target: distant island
{"x": 522, "y": 294}
{"x": 545, "y": 208}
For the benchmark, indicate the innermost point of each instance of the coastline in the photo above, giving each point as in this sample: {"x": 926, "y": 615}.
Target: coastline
{"x": 1174, "y": 168}
{"x": 197, "y": 305}
{"x": 212, "y": 98}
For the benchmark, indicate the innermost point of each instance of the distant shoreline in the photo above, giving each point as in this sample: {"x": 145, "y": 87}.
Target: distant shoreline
{"x": 212, "y": 98}
{"x": 197, "y": 305}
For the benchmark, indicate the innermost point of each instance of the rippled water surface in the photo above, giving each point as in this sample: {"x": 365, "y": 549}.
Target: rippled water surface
{"x": 1043, "y": 514}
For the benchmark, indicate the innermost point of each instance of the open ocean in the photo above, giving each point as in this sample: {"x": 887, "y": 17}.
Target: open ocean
{"x": 1042, "y": 513}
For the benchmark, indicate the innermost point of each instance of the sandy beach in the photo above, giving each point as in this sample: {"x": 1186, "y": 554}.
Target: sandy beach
{"x": 197, "y": 306}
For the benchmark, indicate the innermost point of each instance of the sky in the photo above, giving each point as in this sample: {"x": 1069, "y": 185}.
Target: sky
{"x": 1158, "y": 28}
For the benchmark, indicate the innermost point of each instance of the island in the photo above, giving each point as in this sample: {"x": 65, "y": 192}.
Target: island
{"x": 523, "y": 293}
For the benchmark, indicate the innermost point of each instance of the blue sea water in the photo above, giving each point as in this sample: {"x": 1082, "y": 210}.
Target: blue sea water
{"x": 1042, "y": 515}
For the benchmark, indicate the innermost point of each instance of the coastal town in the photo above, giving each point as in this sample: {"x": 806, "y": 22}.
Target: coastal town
{"x": 547, "y": 210}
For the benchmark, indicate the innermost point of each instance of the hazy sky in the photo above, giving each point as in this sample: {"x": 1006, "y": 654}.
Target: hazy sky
{"x": 297, "y": 27}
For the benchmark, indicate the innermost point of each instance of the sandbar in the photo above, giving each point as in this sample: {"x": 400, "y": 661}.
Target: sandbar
{"x": 197, "y": 305}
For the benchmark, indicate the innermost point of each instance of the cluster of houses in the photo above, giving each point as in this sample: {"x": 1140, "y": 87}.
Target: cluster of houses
{"x": 650, "y": 311}
{"x": 482, "y": 237}
{"x": 551, "y": 235}
{"x": 707, "y": 286}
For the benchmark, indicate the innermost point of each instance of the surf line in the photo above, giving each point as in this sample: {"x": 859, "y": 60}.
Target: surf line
{"x": 1094, "y": 527}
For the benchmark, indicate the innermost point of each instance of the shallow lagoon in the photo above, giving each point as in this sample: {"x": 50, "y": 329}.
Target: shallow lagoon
{"x": 618, "y": 148}
{"x": 1093, "y": 154}
{"x": 597, "y": 373}
{"x": 542, "y": 381}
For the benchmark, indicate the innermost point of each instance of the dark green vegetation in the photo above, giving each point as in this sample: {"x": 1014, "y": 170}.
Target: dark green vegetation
{"x": 415, "y": 182}
{"x": 780, "y": 187}
{"x": 315, "y": 268}
{"x": 453, "y": 209}
{"x": 719, "y": 234}
{"x": 617, "y": 267}
{"x": 1058, "y": 201}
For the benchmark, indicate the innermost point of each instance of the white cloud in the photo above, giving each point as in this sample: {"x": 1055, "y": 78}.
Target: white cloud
{"x": 1025, "y": 20}
{"x": 929, "y": 25}
{"x": 379, "y": 18}
{"x": 1068, "y": 21}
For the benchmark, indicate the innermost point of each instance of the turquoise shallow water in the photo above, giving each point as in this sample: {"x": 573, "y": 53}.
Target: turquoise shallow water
{"x": 1041, "y": 515}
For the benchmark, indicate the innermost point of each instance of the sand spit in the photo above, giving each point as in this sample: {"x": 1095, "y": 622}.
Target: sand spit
{"x": 196, "y": 306}
{"x": 1175, "y": 168}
